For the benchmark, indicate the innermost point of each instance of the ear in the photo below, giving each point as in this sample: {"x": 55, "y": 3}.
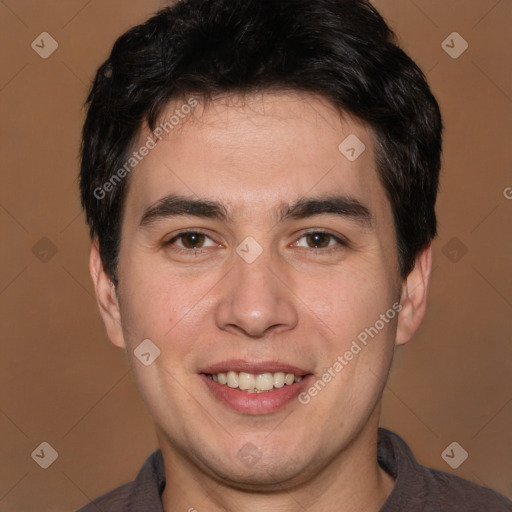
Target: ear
{"x": 106, "y": 297}
{"x": 414, "y": 297}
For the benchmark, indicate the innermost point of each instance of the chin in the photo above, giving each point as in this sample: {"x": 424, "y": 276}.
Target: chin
{"x": 269, "y": 477}
{"x": 249, "y": 469}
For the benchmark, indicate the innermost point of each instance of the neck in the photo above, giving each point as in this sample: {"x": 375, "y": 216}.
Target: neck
{"x": 350, "y": 482}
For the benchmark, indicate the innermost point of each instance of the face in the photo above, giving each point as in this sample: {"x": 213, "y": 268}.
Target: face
{"x": 251, "y": 244}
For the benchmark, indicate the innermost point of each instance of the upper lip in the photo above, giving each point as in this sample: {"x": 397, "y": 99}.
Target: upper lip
{"x": 239, "y": 365}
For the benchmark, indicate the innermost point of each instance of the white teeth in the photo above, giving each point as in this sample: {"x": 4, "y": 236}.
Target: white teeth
{"x": 255, "y": 383}
{"x": 279, "y": 379}
{"x": 246, "y": 381}
{"x": 264, "y": 381}
{"x": 232, "y": 379}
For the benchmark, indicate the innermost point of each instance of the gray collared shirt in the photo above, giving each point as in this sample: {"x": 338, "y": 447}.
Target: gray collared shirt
{"x": 417, "y": 488}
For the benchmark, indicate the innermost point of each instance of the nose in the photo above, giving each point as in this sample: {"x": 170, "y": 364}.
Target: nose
{"x": 257, "y": 298}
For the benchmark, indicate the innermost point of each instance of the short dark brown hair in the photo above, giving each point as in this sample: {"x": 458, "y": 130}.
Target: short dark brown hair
{"x": 339, "y": 49}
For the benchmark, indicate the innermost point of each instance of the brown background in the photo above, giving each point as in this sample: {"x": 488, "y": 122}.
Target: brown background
{"x": 61, "y": 380}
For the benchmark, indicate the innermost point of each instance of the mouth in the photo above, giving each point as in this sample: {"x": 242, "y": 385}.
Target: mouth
{"x": 254, "y": 383}
{"x": 255, "y": 388}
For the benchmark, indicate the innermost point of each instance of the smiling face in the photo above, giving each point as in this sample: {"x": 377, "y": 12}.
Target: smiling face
{"x": 251, "y": 243}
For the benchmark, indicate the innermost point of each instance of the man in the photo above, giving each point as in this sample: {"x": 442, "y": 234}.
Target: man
{"x": 259, "y": 178}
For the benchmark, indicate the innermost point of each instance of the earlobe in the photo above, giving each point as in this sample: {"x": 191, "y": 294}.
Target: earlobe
{"x": 414, "y": 297}
{"x": 106, "y": 297}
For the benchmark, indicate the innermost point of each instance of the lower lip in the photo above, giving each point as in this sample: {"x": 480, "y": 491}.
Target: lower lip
{"x": 256, "y": 403}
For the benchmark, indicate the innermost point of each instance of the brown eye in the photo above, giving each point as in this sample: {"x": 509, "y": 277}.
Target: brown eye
{"x": 192, "y": 240}
{"x": 318, "y": 240}
{"x": 321, "y": 241}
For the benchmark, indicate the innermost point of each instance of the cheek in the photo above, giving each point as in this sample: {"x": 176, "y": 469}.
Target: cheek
{"x": 168, "y": 309}
{"x": 349, "y": 300}
{"x": 150, "y": 308}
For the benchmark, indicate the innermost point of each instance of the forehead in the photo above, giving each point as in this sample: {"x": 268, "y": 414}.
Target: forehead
{"x": 259, "y": 151}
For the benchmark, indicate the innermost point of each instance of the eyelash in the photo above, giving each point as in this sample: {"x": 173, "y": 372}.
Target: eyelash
{"x": 340, "y": 242}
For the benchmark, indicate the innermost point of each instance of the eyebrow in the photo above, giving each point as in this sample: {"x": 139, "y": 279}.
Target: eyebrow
{"x": 175, "y": 205}
{"x": 340, "y": 205}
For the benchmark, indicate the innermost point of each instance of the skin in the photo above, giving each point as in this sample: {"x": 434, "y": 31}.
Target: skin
{"x": 297, "y": 303}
